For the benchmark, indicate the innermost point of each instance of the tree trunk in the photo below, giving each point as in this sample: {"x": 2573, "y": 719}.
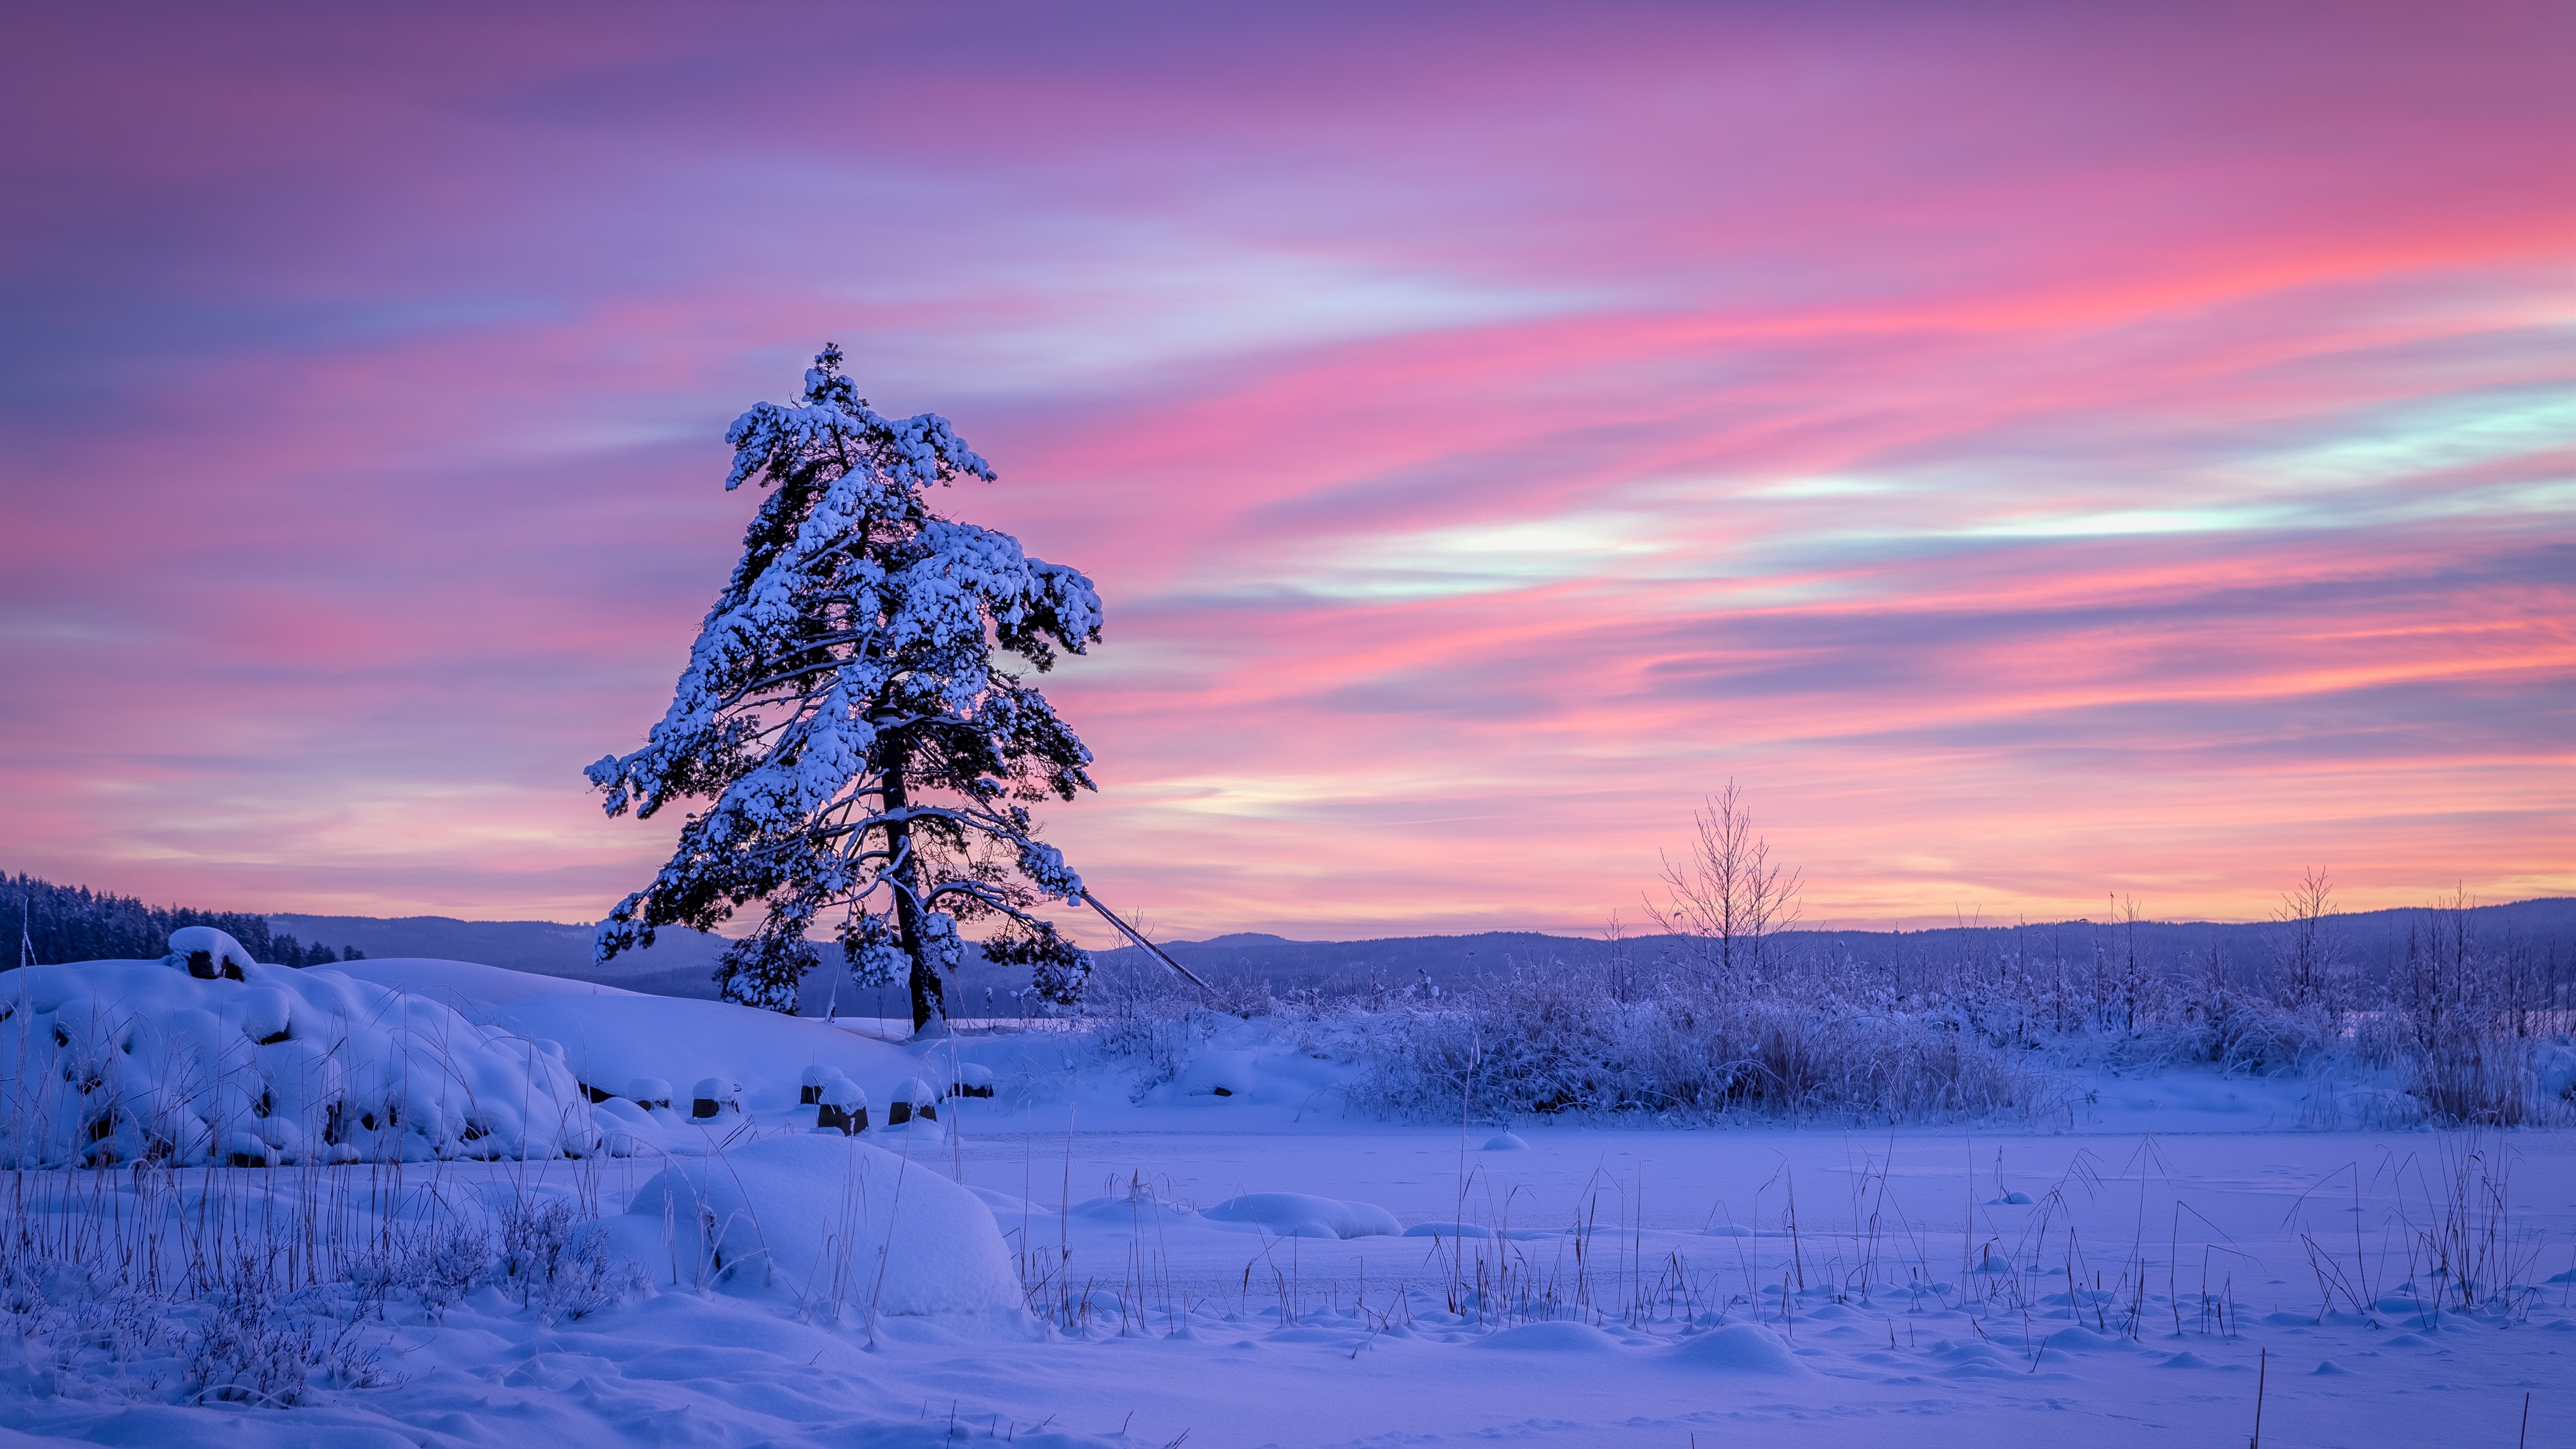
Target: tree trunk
{"x": 928, "y": 1000}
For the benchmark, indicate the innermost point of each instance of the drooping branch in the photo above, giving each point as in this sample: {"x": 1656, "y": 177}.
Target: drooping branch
{"x": 1132, "y": 934}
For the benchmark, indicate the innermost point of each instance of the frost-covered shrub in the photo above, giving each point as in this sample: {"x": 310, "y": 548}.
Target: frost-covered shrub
{"x": 557, "y": 1264}
{"x": 445, "y": 1264}
{"x": 66, "y": 1307}
{"x": 2228, "y": 1024}
{"x": 244, "y": 1348}
{"x": 256, "y": 1345}
{"x": 1152, "y": 1022}
{"x": 437, "y": 1263}
{"x": 1960, "y": 1024}
{"x": 2478, "y": 1078}
{"x": 1536, "y": 1043}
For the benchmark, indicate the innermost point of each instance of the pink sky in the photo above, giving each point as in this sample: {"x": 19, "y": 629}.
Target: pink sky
{"x": 2039, "y": 451}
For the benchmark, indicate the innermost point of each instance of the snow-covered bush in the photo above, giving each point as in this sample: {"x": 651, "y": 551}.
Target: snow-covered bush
{"x": 444, "y": 1264}
{"x": 1988, "y": 1026}
{"x": 246, "y": 1348}
{"x": 1538, "y": 1043}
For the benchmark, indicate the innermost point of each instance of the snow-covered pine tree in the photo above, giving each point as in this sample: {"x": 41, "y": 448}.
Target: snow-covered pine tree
{"x": 869, "y": 764}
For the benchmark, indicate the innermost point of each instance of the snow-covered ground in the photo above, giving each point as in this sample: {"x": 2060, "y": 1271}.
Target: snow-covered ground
{"x": 1251, "y": 1266}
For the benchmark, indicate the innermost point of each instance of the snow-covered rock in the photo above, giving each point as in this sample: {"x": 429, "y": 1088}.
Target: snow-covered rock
{"x": 121, "y": 1060}
{"x": 913, "y": 1102}
{"x": 713, "y": 1095}
{"x": 208, "y": 954}
{"x": 840, "y": 1106}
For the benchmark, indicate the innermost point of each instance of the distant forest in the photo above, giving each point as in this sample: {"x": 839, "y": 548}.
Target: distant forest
{"x": 75, "y": 923}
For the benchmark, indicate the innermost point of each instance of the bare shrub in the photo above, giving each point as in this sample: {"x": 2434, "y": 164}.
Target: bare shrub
{"x": 1727, "y": 896}
{"x": 2307, "y": 950}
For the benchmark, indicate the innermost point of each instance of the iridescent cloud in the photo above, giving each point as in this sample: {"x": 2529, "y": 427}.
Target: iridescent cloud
{"x": 2041, "y": 455}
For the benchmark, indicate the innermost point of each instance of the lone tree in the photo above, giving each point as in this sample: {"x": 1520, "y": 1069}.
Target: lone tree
{"x": 867, "y": 759}
{"x": 1727, "y": 897}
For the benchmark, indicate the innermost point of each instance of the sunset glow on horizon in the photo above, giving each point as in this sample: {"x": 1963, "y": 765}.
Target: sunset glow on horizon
{"x": 2041, "y": 455}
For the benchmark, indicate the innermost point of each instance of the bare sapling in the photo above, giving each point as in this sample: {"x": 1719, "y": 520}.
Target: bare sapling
{"x": 1727, "y": 896}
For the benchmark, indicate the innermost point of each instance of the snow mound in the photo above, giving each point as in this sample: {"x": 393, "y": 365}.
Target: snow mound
{"x": 1726, "y": 1230}
{"x": 119, "y": 1061}
{"x": 1221, "y": 1074}
{"x": 1552, "y": 1338}
{"x": 834, "y": 1224}
{"x": 1299, "y": 1215}
{"x": 1739, "y": 1348}
{"x": 1136, "y": 1205}
{"x": 1506, "y": 1142}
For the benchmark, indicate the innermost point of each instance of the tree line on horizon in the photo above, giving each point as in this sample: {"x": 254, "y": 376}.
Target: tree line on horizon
{"x": 58, "y": 923}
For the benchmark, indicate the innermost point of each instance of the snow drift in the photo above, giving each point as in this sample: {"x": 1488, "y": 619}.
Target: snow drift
{"x": 833, "y": 1223}
{"x": 1738, "y": 1348}
{"x": 1303, "y": 1215}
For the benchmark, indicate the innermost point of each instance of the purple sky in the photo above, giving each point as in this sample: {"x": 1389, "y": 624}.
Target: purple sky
{"x": 2040, "y": 451}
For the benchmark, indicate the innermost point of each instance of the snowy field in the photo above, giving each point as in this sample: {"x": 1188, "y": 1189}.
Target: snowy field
{"x": 1251, "y": 1266}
